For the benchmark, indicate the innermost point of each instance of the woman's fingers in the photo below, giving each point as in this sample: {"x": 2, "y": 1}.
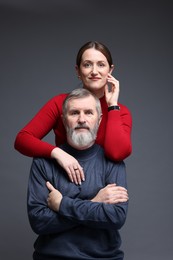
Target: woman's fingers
{"x": 69, "y": 164}
{"x": 112, "y": 92}
{"x": 76, "y": 174}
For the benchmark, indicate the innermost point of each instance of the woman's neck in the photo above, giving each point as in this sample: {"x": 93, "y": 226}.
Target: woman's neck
{"x": 99, "y": 93}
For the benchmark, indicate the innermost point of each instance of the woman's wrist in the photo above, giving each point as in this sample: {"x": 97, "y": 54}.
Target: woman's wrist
{"x": 54, "y": 152}
{"x": 113, "y": 108}
{"x": 112, "y": 104}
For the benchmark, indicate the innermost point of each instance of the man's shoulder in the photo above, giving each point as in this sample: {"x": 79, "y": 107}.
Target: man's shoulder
{"x": 109, "y": 161}
{"x": 42, "y": 161}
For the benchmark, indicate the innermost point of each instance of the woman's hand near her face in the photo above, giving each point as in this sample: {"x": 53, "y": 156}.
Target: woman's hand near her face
{"x": 112, "y": 95}
{"x": 70, "y": 165}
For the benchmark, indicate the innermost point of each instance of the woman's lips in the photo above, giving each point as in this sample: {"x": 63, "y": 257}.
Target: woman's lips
{"x": 95, "y": 79}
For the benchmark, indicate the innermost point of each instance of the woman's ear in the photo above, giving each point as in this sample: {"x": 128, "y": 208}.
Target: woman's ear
{"x": 111, "y": 69}
{"x": 77, "y": 71}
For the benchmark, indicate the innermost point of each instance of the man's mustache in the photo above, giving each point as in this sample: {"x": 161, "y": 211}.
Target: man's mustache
{"x": 82, "y": 126}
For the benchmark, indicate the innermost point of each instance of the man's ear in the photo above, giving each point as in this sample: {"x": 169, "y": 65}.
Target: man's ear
{"x": 63, "y": 119}
{"x": 100, "y": 119}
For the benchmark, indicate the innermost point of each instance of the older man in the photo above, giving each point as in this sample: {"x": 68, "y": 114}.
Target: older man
{"x": 78, "y": 221}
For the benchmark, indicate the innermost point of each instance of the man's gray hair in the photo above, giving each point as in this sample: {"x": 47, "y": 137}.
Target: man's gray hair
{"x": 80, "y": 93}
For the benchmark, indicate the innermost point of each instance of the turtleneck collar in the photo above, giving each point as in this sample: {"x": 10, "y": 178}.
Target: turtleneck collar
{"x": 81, "y": 154}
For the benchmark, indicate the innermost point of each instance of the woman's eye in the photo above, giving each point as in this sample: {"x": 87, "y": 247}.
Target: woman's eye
{"x": 87, "y": 65}
{"x": 101, "y": 64}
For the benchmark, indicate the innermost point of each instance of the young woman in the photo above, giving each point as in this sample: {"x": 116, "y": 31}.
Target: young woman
{"x": 94, "y": 66}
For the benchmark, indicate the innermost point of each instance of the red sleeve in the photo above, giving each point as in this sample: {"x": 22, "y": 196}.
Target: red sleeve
{"x": 29, "y": 140}
{"x": 117, "y": 142}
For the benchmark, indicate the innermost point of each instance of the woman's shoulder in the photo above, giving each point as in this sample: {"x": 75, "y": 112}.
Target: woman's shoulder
{"x": 61, "y": 96}
{"x": 56, "y": 100}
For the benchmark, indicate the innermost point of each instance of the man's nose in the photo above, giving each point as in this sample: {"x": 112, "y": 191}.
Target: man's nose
{"x": 81, "y": 118}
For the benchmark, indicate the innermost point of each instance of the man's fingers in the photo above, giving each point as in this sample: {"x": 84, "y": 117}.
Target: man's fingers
{"x": 50, "y": 186}
{"x": 111, "y": 185}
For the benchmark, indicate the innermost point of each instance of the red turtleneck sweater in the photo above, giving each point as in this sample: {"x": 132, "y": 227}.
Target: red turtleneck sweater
{"x": 114, "y": 133}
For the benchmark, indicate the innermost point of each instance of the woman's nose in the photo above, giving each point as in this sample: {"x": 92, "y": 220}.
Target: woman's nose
{"x": 94, "y": 69}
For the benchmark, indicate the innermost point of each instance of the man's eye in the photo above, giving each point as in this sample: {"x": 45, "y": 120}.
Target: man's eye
{"x": 89, "y": 112}
{"x": 74, "y": 113}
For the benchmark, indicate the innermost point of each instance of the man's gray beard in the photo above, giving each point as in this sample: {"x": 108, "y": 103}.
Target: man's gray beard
{"x": 82, "y": 139}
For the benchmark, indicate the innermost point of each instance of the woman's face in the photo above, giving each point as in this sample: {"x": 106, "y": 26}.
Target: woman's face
{"x": 93, "y": 71}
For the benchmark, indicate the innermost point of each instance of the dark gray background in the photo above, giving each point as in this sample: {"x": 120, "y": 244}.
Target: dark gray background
{"x": 38, "y": 45}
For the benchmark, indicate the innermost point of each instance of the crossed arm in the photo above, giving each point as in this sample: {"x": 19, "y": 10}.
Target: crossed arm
{"x": 50, "y": 212}
{"x": 111, "y": 194}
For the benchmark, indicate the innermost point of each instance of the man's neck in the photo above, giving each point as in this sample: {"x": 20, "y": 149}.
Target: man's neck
{"x": 77, "y": 147}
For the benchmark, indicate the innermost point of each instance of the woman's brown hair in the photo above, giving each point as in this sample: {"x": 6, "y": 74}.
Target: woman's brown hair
{"x": 97, "y": 46}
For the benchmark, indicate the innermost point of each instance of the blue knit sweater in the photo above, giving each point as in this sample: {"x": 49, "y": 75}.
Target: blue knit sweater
{"x": 81, "y": 229}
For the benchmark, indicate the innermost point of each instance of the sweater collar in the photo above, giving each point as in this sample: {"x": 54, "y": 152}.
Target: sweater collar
{"x": 81, "y": 154}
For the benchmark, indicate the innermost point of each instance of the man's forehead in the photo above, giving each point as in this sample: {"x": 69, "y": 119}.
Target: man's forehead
{"x": 82, "y": 103}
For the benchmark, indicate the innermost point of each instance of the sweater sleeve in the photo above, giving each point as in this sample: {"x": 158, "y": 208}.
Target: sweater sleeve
{"x": 94, "y": 214}
{"x": 29, "y": 140}
{"x": 117, "y": 142}
{"x": 42, "y": 219}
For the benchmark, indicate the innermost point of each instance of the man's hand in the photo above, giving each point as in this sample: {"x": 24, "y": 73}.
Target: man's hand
{"x": 111, "y": 194}
{"x": 54, "y": 197}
